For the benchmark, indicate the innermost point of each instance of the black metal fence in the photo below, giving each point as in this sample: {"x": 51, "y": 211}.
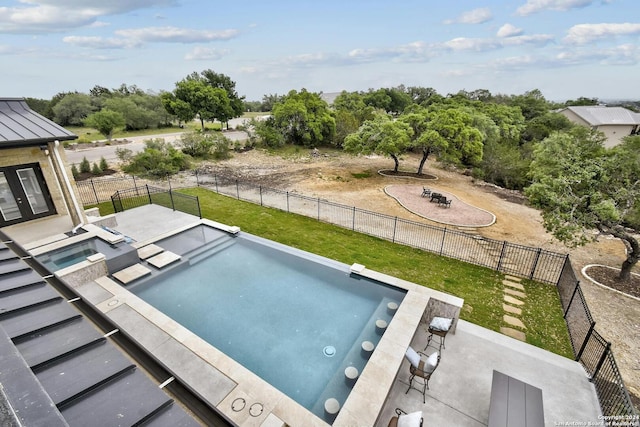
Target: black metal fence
{"x": 589, "y": 347}
{"x": 140, "y": 196}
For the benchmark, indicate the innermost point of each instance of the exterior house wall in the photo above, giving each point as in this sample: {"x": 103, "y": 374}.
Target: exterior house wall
{"x": 615, "y": 133}
{"x": 61, "y": 199}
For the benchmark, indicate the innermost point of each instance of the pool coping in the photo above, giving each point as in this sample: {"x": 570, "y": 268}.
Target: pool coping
{"x": 237, "y": 393}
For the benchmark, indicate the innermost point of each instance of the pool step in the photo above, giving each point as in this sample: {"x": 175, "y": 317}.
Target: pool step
{"x": 210, "y": 249}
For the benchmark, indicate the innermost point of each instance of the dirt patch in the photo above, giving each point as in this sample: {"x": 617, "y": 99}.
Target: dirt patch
{"x": 608, "y": 277}
{"x": 354, "y": 181}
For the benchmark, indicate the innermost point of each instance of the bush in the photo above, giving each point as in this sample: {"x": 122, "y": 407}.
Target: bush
{"x": 103, "y": 164}
{"x": 74, "y": 171}
{"x": 95, "y": 169}
{"x": 159, "y": 159}
{"x": 205, "y": 145}
{"x": 85, "y": 166}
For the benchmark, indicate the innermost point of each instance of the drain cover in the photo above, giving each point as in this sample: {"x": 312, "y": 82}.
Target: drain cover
{"x": 329, "y": 351}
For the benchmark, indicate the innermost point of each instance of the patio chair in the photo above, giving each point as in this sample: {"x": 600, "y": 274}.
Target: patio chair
{"x": 422, "y": 368}
{"x": 402, "y": 419}
{"x": 435, "y": 197}
{"x": 426, "y": 192}
{"x": 438, "y": 328}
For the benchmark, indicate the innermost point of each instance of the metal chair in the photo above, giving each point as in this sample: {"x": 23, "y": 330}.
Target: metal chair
{"x": 393, "y": 422}
{"x": 438, "y": 328}
{"x": 426, "y": 192}
{"x": 425, "y": 369}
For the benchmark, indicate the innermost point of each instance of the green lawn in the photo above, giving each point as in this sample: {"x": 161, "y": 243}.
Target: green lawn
{"x": 481, "y": 288}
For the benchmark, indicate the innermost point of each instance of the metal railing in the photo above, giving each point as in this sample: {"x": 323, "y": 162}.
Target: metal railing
{"x": 537, "y": 264}
{"x": 140, "y": 196}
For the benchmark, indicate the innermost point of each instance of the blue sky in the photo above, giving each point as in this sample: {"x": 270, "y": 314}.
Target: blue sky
{"x": 565, "y": 48}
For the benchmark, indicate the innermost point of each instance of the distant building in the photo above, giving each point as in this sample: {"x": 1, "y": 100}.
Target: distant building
{"x": 614, "y": 122}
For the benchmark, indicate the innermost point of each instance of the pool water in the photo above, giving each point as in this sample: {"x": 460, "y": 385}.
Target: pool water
{"x": 294, "y": 319}
{"x": 72, "y": 254}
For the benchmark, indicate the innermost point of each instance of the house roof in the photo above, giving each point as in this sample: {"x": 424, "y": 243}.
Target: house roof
{"x": 601, "y": 115}
{"x": 58, "y": 369}
{"x": 20, "y": 126}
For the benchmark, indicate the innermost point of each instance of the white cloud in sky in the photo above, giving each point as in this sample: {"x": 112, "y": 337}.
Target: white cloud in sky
{"x": 38, "y": 16}
{"x": 586, "y": 33}
{"x": 101, "y": 42}
{"x": 475, "y": 16}
{"x": 176, "y": 35}
{"x": 535, "y": 6}
{"x": 508, "y": 30}
{"x": 205, "y": 53}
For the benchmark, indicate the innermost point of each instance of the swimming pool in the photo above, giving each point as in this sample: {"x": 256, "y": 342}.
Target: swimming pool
{"x": 66, "y": 256}
{"x": 296, "y": 320}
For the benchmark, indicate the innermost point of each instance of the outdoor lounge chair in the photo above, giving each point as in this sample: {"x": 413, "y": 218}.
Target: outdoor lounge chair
{"x": 422, "y": 368}
{"x": 402, "y": 419}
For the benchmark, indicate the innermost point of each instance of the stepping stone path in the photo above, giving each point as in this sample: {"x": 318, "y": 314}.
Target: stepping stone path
{"x": 514, "y": 299}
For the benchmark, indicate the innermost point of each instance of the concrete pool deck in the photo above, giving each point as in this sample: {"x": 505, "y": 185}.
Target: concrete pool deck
{"x": 459, "y": 390}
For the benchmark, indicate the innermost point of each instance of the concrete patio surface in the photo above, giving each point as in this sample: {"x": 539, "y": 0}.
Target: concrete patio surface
{"x": 460, "y": 388}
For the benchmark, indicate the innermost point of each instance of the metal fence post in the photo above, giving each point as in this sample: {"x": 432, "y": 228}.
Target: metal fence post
{"x": 395, "y": 225}
{"x": 601, "y": 361}
{"x": 198, "y": 205}
{"x": 173, "y": 206}
{"x": 94, "y": 191}
{"x": 444, "y": 235}
{"x": 287, "y": 201}
{"x": 353, "y": 219}
{"x": 575, "y": 290}
{"x": 149, "y": 194}
{"x": 215, "y": 179}
{"x": 504, "y": 246}
{"x": 197, "y": 180}
{"x": 318, "y": 208}
{"x": 535, "y": 264}
{"x": 586, "y": 340}
{"x": 135, "y": 185}
{"x": 260, "y": 188}
{"x": 237, "y": 189}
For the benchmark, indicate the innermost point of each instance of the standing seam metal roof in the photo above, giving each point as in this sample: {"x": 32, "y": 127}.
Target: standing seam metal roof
{"x": 21, "y": 126}
{"x": 58, "y": 369}
{"x": 600, "y": 115}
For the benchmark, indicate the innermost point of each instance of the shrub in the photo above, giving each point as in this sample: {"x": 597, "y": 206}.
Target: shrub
{"x": 85, "y": 166}
{"x": 95, "y": 169}
{"x": 74, "y": 171}
{"x": 103, "y": 164}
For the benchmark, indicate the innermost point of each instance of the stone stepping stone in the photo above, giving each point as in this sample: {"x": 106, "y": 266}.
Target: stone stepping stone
{"x": 514, "y": 285}
{"x": 513, "y": 301}
{"x": 514, "y": 333}
{"x": 515, "y": 293}
{"x": 510, "y": 309}
{"x": 163, "y": 259}
{"x": 131, "y": 273}
{"x": 149, "y": 251}
{"x": 513, "y": 321}
{"x": 512, "y": 278}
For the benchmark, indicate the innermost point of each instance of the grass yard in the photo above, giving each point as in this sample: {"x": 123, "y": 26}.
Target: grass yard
{"x": 480, "y": 287}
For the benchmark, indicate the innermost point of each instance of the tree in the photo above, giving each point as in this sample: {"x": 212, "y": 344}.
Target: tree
{"x": 580, "y": 186}
{"x": 72, "y": 109}
{"x": 193, "y": 97}
{"x": 304, "y": 118}
{"x": 221, "y": 81}
{"x": 381, "y": 136}
{"x": 135, "y": 116}
{"x": 423, "y": 138}
{"x": 105, "y": 121}
{"x": 463, "y": 140}
{"x": 205, "y": 145}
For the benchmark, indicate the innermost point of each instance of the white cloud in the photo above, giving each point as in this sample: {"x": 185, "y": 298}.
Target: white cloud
{"x": 101, "y": 42}
{"x": 469, "y": 44}
{"x": 205, "y": 53}
{"x": 413, "y": 51}
{"x": 475, "y": 16}
{"x": 626, "y": 54}
{"x": 508, "y": 30}
{"x": 44, "y": 16}
{"x": 535, "y": 6}
{"x": 176, "y": 35}
{"x": 536, "y": 39}
{"x": 585, "y": 33}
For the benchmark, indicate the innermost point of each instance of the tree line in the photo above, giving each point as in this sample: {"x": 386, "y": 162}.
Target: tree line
{"x": 517, "y": 142}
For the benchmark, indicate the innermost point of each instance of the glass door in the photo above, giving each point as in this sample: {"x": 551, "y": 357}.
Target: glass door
{"x": 23, "y": 194}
